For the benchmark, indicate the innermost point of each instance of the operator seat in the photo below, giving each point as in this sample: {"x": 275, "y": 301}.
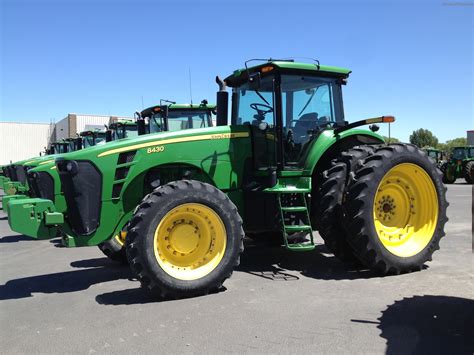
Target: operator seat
{"x": 305, "y": 123}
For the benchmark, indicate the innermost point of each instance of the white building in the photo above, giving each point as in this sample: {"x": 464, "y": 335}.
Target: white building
{"x": 20, "y": 141}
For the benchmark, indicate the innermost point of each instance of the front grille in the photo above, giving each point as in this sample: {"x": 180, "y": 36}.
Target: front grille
{"x": 12, "y": 173}
{"x": 41, "y": 185}
{"x": 82, "y": 185}
{"x": 20, "y": 174}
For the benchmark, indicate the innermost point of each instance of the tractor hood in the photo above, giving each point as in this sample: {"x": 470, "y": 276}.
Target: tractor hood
{"x": 151, "y": 140}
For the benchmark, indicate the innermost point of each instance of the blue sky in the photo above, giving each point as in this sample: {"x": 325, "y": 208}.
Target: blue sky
{"x": 412, "y": 59}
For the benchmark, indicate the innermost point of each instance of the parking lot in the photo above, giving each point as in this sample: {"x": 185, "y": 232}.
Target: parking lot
{"x": 57, "y": 300}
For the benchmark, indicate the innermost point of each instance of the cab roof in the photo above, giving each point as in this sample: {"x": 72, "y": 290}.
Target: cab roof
{"x": 148, "y": 111}
{"x": 91, "y": 131}
{"x": 287, "y": 67}
{"x": 123, "y": 123}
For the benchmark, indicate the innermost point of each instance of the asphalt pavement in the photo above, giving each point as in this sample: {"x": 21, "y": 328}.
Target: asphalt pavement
{"x": 60, "y": 300}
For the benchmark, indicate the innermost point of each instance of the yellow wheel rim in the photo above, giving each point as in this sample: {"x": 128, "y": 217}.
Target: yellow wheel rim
{"x": 190, "y": 241}
{"x": 405, "y": 210}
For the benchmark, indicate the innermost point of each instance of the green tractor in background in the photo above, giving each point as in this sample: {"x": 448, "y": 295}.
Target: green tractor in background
{"x": 436, "y": 155}
{"x": 15, "y": 181}
{"x": 17, "y": 172}
{"x": 287, "y": 164}
{"x": 44, "y": 182}
{"x": 460, "y": 165}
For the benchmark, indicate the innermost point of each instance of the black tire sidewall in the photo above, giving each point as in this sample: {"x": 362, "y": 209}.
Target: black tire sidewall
{"x": 205, "y": 196}
{"x": 413, "y": 262}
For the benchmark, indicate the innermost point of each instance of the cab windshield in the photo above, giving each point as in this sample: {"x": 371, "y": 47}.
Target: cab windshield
{"x": 181, "y": 119}
{"x": 124, "y": 131}
{"x": 60, "y": 148}
{"x": 92, "y": 139}
{"x": 459, "y": 153}
{"x": 308, "y": 105}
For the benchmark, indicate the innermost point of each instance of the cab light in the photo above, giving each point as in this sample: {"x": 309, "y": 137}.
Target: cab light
{"x": 266, "y": 69}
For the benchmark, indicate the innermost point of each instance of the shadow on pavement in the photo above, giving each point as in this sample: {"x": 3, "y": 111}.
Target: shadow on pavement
{"x": 3, "y": 218}
{"x": 429, "y": 325}
{"x": 63, "y": 282}
{"x": 137, "y": 296}
{"x": 15, "y": 239}
{"x": 274, "y": 263}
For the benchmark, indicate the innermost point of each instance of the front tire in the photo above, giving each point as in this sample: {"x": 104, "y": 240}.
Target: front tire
{"x": 469, "y": 171}
{"x": 184, "y": 239}
{"x": 449, "y": 177}
{"x": 396, "y": 209}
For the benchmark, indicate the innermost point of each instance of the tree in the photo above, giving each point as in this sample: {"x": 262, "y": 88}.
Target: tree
{"x": 391, "y": 140}
{"x": 423, "y": 138}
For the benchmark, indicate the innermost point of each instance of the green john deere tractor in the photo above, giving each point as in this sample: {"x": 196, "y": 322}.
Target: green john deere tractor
{"x": 44, "y": 180}
{"x": 435, "y": 154}
{"x": 287, "y": 163}
{"x": 17, "y": 172}
{"x": 461, "y": 165}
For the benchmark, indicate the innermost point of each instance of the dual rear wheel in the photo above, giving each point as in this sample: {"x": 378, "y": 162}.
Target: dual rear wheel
{"x": 392, "y": 206}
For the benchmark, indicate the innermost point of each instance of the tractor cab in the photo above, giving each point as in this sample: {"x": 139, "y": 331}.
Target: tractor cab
{"x": 435, "y": 154}
{"x": 73, "y": 144}
{"x": 123, "y": 129}
{"x": 287, "y": 107}
{"x": 59, "y": 147}
{"x": 92, "y": 137}
{"x": 461, "y": 153}
{"x": 177, "y": 117}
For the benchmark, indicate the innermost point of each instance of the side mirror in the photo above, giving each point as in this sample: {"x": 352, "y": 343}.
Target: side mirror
{"x": 222, "y": 103}
{"x": 141, "y": 127}
{"x": 108, "y": 135}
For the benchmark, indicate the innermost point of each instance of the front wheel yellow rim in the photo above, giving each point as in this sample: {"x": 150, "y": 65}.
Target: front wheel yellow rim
{"x": 190, "y": 241}
{"x": 405, "y": 210}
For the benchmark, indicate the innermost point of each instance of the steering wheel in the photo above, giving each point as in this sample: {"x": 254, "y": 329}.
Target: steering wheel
{"x": 261, "y": 109}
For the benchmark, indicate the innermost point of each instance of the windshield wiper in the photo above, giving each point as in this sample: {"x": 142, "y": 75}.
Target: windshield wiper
{"x": 309, "y": 100}
{"x": 260, "y": 95}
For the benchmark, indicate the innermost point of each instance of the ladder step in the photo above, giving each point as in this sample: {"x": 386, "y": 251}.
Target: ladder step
{"x": 287, "y": 190}
{"x": 300, "y": 247}
{"x": 298, "y": 228}
{"x": 294, "y": 209}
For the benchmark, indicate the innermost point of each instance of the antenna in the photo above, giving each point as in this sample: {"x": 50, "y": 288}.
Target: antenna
{"x": 190, "y": 86}
{"x": 142, "y": 103}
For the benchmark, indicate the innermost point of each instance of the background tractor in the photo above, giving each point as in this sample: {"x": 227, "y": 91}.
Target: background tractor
{"x": 460, "y": 165}
{"x": 44, "y": 180}
{"x": 435, "y": 154}
{"x": 287, "y": 163}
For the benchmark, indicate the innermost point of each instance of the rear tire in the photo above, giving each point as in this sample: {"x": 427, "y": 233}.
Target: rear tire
{"x": 184, "y": 239}
{"x": 396, "y": 209}
{"x": 330, "y": 197}
{"x": 469, "y": 171}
